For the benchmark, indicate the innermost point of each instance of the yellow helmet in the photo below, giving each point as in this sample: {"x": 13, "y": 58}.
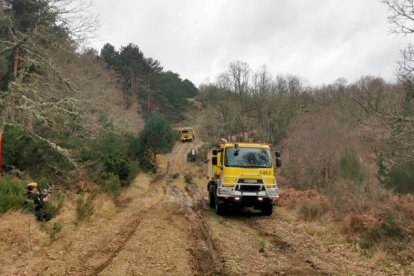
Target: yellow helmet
{"x": 32, "y": 184}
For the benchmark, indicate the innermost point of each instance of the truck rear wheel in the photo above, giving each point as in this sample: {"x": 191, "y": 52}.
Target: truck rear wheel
{"x": 267, "y": 210}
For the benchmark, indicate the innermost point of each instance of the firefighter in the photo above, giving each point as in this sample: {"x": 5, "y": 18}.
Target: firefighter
{"x": 40, "y": 200}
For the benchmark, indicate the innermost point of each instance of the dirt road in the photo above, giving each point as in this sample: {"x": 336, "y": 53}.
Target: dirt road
{"x": 165, "y": 227}
{"x": 168, "y": 236}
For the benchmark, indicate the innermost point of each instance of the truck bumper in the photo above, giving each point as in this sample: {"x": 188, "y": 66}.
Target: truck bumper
{"x": 246, "y": 201}
{"x": 243, "y": 198}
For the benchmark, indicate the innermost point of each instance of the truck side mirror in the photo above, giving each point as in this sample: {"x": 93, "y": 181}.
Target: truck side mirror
{"x": 278, "y": 162}
{"x": 215, "y": 152}
{"x": 214, "y": 160}
{"x": 278, "y": 155}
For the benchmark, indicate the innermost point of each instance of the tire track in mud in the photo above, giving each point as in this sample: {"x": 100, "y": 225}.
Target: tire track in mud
{"x": 207, "y": 258}
{"x": 96, "y": 261}
{"x": 277, "y": 243}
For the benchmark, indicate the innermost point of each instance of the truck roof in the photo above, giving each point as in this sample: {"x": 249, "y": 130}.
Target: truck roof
{"x": 247, "y": 145}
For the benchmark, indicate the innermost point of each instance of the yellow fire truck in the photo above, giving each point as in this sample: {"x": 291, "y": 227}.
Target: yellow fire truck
{"x": 242, "y": 175}
{"x": 187, "y": 134}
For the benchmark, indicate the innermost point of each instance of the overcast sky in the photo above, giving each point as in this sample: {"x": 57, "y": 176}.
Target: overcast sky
{"x": 318, "y": 40}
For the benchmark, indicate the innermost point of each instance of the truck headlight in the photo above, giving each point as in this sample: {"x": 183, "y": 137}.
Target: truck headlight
{"x": 224, "y": 191}
{"x": 272, "y": 192}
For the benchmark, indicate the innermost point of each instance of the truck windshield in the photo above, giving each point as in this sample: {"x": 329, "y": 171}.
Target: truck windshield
{"x": 248, "y": 158}
{"x": 185, "y": 131}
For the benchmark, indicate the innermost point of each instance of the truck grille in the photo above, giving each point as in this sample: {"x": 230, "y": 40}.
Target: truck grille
{"x": 249, "y": 188}
{"x": 250, "y": 181}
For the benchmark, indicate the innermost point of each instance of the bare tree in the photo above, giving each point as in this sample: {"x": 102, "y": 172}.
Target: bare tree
{"x": 237, "y": 81}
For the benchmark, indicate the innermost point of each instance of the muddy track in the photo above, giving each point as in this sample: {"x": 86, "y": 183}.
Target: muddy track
{"x": 207, "y": 258}
{"x": 96, "y": 261}
{"x": 277, "y": 243}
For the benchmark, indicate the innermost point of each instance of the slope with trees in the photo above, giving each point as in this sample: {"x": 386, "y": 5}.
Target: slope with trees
{"x": 143, "y": 79}
{"x": 350, "y": 142}
{"x": 62, "y": 111}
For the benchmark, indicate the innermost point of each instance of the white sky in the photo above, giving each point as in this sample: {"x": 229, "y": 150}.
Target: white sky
{"x": 318, "y": 40}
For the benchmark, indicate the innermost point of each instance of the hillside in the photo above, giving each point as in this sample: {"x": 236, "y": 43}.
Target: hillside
{"x": 95, "y": 180}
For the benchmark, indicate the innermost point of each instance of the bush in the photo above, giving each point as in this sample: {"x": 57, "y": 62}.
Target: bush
{"x": 391, "y": 228}
{"x": 350, "y": 167}
{"x": 157, "y": 137}
{"x": 12, "y": 195}
{"x": 55, "y": 230}
{"x": 119, "y": 165}
{"x": 110, "y": 183}
{"x": 85, "y": 206}
{"x": 114, "y": 153}
{"x": 28, "y": 154}
{"x": 311, "y": 210}
{"x": 54, "y": 205}
{"x": 401, "y": 179}
{"x": 188, "y": 178}
{"x": 191, "y": 157}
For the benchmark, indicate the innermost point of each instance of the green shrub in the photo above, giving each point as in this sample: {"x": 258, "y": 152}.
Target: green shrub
{"x": 188, "y": 179}
{"x": 400, "y": 179}
{"x": 85, "y": 206}
{"x": 390, "y": 228}
{"x": 55, "y": 230}
{"x": 350, "y": 167}
{"x": 12, "y": 195}
{"x": 311, "y": 210}
{"x": 28, "y": 154}
{"x": 191, "y": 157}
{"x": 54, "y": 205}
{"x": 134, "y": 170}
{"x": 146, "y": 163}
{"x": 112, "y": 152}
{"x": 110, "y": 183}
{"x": 157, "y": 137}
{"x": 119, "y": 165}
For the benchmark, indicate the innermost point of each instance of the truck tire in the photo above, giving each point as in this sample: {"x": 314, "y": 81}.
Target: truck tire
{"x": 220, "y": 209}
{"x": 212, "y": 198}
{"x": 267, "y": 210}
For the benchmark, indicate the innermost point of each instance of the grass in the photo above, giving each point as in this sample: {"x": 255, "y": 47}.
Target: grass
{"x": 85, "y": 206}
{"x": 55, "y": 230}
{"x": 262, "y": 244}
{"x": 311, "y": 210}
{"x": 188, "y": 178}
{"x": 176, "y": 175}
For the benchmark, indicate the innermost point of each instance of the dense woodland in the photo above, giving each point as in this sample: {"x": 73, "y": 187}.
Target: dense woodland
{"x": 144, "y": 79}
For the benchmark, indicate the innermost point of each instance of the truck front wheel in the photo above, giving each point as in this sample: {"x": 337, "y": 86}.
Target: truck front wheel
{"x": 267, "y": 210}
{"x": 212, "y": 198}
{"x": 220, "y": 209}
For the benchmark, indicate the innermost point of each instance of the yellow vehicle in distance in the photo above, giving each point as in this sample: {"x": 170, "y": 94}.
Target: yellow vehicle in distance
{"x": 242, "y": 175}
{"x": 187, "y": 134}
